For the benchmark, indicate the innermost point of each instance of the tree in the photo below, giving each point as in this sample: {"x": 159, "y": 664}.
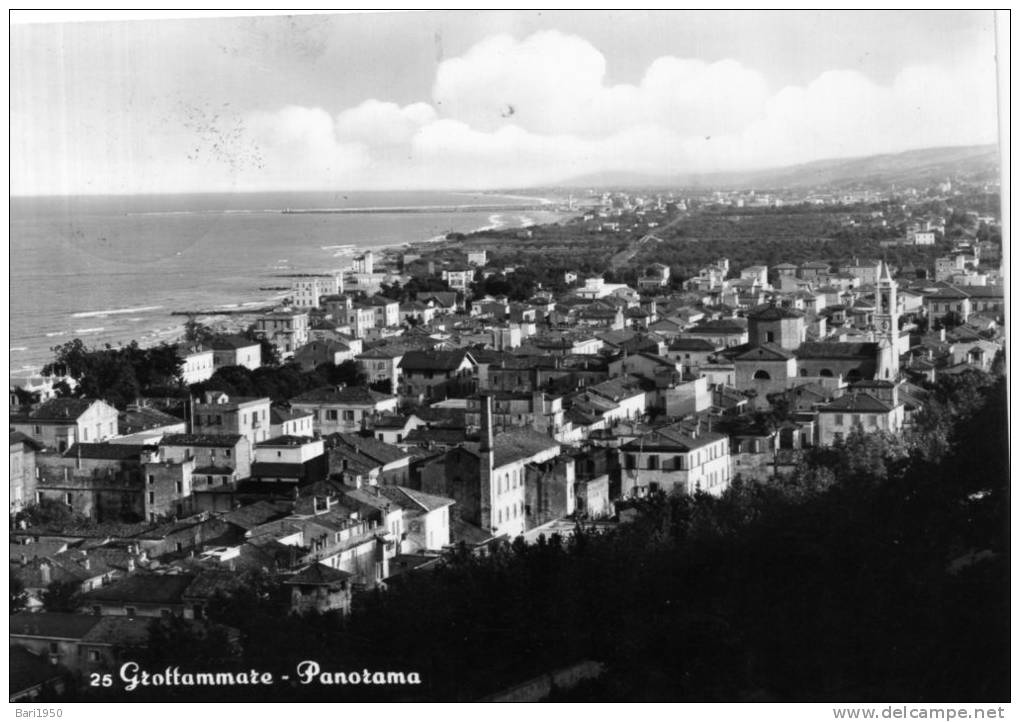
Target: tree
{"x": 50, "y": 513}
{"x": 270, "y": 354}
{"x": 117, "y": 375}
{"x": 19, "y": 597}
{"x": 348, "y": 373}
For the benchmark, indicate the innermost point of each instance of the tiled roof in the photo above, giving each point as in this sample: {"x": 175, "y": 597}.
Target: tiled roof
{"x": 58, "y": 625}
{"x": 857, "y": 402}
{"x": 692, "y": 344}
{"x": 765, "y": 352}
{"x": 518, "y": 445}
{"x": 107, "y": 451}
{"x": 131, "y": 421}
{"x": 403, "y": 496}
{"x": 19, "y": 438}
{"x": 369, "y": 446}
{"x": 278, "y": 414}
{"x": 144, "y": 588}
{"x": 434, "y": 360}
{"x": 250, "y": 516}
{"x": 231, "y": 343}
{"x": 61, "y": 409}
{"x": 673, "y": 438}
{"x": 318, "y": 575}
{"x": 770, "y": 312}
{"x": 346, "y": 396}
{"x": 835, "y": 349}
{"x": 214, "y": 440}
{"x": 286, "y": 441}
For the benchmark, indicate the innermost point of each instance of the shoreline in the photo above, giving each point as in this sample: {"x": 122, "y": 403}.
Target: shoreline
{"x": 231, "y": 318}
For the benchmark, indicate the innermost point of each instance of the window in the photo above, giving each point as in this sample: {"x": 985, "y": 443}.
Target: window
{"x": 761, "y": 375}
{"x": 209, "y": 480}
{"x": 679, "y": 463}
{"x": 348, "y": 416}
{"x": 653, "y": 461}
{"x": 770, "y": 337}
{"x": 180, "y": 487}
{"x": 226, "y": 453}
{"x": 152, "y": 497}
{"x": 330, "y": 415}
{"x": 152, "y": 479}
{"x": 68, "y": 498}
{"x": 630, "y": 461}
{"x": 838, "y": 420}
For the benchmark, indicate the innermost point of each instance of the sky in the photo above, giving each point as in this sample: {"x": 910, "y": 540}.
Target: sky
{"x": 484, "y": 99}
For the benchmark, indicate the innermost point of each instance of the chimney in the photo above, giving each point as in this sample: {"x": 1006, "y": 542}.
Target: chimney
{"x": 130, "y": 564}
{"x": 44, "y": 570}
{"x": 87, "y": 563}
{"x": 486, "y": 433}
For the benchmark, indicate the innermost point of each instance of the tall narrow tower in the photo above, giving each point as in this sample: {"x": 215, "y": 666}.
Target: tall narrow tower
{"x": 887, "y": 325}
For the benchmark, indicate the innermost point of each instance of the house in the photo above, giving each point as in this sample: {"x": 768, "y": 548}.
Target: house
{"x": 458, "y": 278}
{"x": 417, "y": 312}
{"x": 365, "y": 461}
{"x": 80, "y": 643}
{"x": 61, "y": 423}
{"x": 197, "y": 362}
{"x": 680, "y": 457}
{"x": 859, "y": 410}
{"x": 290, "y": 422}
{"x": 394, "y": 428}
{"x": 382, "y": 363}
{"x": 297, "y": 459}
{"x": 236, "y": 350}
{"x": 426, "y": 375}
{"x": 487, "y": 478}
{"x": 318, "y": 588}
{"x": 316, "y": 353}
{"x": 185, "y": 463}
{"x": 655, "y": 276}
{"x": 102, "y": 481}
{"x": 306, "y": 292}
{"x": 140, "y": 424}
{"x": 142, "y": 595}
{"x": 721, "y": 333}
{"x": 342, "y": 409}
{"x": 286, "y": 329}
{"x": 222, "y": 414}
{"x": 22, "y": 471}
{"x": 426, "y": 518}
{"x": 33, "y": 677}
{"x": 385, "y": 311}
{"x": 691, "y": 353}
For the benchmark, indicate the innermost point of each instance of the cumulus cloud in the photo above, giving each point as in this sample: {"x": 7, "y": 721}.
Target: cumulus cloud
{"x": 539, "y": 110}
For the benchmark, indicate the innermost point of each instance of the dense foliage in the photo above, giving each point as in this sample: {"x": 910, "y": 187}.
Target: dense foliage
{"x": 870, "y": 587}
{"x": 117, "y": 375}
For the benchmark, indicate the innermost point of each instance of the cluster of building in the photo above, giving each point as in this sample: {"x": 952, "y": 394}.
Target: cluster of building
{"x": 481, "y": 422}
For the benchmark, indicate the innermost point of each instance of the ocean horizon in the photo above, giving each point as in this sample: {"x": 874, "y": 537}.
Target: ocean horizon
{"x": 111, "y": 269}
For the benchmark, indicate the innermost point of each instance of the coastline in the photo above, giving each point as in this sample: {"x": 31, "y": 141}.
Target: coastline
{"x": 233, "y": 319}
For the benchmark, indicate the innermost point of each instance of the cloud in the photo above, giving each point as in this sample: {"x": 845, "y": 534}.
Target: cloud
{"x": 511, "y": 112}
{"x": 539, "y": 110}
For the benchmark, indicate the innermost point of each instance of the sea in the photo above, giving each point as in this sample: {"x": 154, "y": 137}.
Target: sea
{"x": 111, "y": 269}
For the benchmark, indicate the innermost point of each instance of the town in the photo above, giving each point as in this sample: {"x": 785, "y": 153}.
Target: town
{"x": 491, "y": 390}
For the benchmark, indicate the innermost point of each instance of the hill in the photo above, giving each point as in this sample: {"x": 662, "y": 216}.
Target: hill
{"x": 914, "y": 167}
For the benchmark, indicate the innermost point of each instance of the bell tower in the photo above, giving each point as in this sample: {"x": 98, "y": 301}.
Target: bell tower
{"x": 887, "y": 325}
